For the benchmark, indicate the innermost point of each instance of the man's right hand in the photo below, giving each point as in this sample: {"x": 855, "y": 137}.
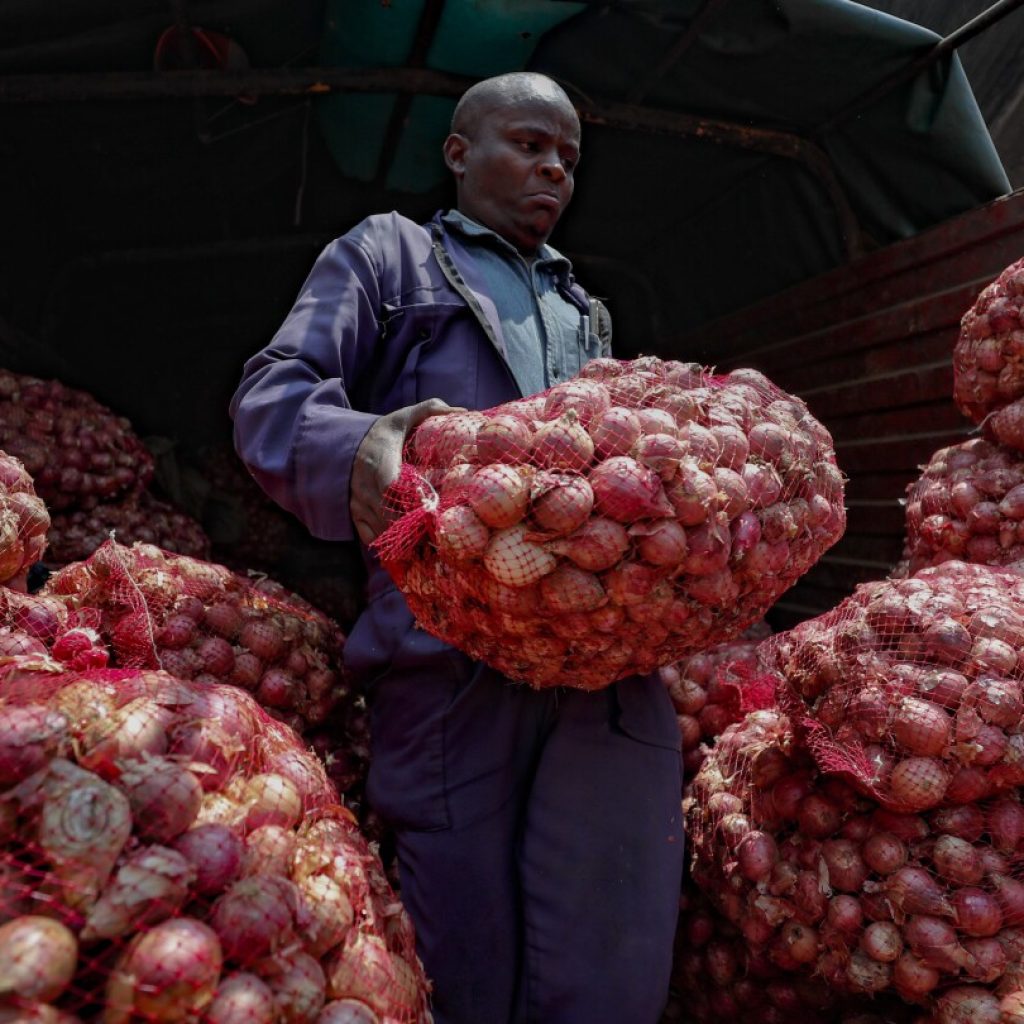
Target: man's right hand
{"x": 378, "y": 461}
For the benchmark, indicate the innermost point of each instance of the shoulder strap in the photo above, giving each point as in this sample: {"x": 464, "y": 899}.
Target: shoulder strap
{"x": 601, "y": 325}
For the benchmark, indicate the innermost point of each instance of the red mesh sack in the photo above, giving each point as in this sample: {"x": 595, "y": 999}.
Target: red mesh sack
{"x": 201, "y": 621}
{"x": 913, "y": 687}
{"x": 718, "y": 976}
{"x": 826, "y": 883}
{"x": 988, "y": 359}
{"x": 75, "y": 535}
{"x": 77, "y": 450}
{"x": 169, "y": 852}
{"x": 251, "y": 530}
{"x": 24, "y": 522}
{"x": 50, "y": 628}
{"x": 614, "y": 523}
{"x": 967, "y": 504}
{"x": 713, "y": 689}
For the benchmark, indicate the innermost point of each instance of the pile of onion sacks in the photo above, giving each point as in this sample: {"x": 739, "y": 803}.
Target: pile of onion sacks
{"x": 24, "y": 522}
{"x": 139, "y": 518}
{"x": 78, "y": 452}
{"x": 825, "y": 883}
{"x": 169, "y": 853}
{"x": 913, "y": 687}
{"x": 988, "y": 360}
{"x": 967, "y": 504}
{"x": 713, "y": 689}
{"x": 614, "y": 523}
{"x": 198, "y": 620}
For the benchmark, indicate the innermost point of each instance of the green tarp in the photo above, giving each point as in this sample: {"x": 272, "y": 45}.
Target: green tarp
{"x": 707, "y": 227}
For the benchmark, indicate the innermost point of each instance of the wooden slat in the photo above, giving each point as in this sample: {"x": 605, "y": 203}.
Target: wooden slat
{"x": 977, "y": 244}
{"x": 910, "y": 349}
{"x": 883, "y": 517}
{"x": 878, "y": 326}
{"x": 938, "y": 415}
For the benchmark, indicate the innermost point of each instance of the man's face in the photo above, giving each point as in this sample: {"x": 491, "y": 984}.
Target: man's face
{"x": 515, "y": 166}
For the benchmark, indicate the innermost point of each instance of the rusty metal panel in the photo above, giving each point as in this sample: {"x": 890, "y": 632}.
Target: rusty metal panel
{"x": 869, "y": 347}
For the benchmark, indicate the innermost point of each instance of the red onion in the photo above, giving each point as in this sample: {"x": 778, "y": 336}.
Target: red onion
{"x": 254, "y": 917}
{"x": 241, "y": 998}
{"x": 498, "y": 494}
{"x": 503, "y": 438}
{"x": 37, "y": 958}
{"x": 615, "y": 431}
{"x": 215, "y": 852}
{"x": 562, "y": 444}
{"x": 626, "y": 491}
{"x": 168, "y": 973}
{"x": 967, "y": 1004}
{"x": 560, "y": 502}
{"x": 165, "y": 797}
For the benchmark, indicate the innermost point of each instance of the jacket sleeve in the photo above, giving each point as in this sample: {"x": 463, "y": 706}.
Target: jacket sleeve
{"x": 294, "y": 425}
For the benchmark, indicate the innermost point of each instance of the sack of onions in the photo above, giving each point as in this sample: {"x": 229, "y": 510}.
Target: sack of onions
{"x": 251, "y": 531}
{"x": 77, "y": 451}
{"x": 170, "y": 852}
{"x": 614, "y": 523}
{"x": 713, "y": 689}
{"x": 24, "y": 522}
{"x": 718, "y": 976}
{"x": 967, "y": 504}
{"x": 988, "y": 359}
{"x": 41, "y": 627}
{"x": 913, "y": 686}
{"x": 198, "y": 620}
{"x": 826, "y": 882}
{"x": 75, "y": 535}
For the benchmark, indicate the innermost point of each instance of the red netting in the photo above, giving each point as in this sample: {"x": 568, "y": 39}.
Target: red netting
{"x": 969, "y": 504}
{"x": 75, "y": 535}
{"x": 913, "y": 687}
{"x": 614, "y": 523}
{"x": 201, "y": 621}
{"x": 713, "y": 689}
{"x": 719, "y": 977}
{"x": 824, "y": 882}
{"x": 170, "y": 852}
{"x": 988, "y": 360}
{"x": 77, "y": 450}
{"x": 24, "y": 522}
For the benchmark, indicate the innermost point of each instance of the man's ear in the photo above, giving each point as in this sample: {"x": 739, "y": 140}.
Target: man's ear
{"x": 455, "y": 147}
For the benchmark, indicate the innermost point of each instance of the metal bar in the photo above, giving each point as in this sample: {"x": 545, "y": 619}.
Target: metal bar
{"x": 312, "y": 81}
{"x": 135, "y": 85}
{"x": 675, "y": 51}
{"x": 430, "y": 18}
{"x": 948, "y": 44}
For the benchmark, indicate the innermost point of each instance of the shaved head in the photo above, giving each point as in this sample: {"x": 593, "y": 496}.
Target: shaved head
{"x": 504, "y": 91}
{"x": 513, "y": 149}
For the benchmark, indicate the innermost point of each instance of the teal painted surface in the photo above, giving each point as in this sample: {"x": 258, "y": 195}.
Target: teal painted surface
{"x": 474, "y": 37}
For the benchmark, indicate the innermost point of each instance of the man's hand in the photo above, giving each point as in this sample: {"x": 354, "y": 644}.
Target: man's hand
{"x": 378, "y": 461}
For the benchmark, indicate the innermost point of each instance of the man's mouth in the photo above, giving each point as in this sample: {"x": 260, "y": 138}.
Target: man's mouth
{"x": 548, "y": 199}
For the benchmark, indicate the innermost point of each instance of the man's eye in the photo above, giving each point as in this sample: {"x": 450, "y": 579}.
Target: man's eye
{"x": 528, "y": 145}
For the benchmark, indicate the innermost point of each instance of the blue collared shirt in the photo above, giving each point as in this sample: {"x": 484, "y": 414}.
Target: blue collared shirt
{"x": 546, "y": 336}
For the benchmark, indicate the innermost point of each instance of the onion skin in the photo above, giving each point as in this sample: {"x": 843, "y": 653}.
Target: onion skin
{"x": 37, "y": 958}
{"x": 168, "y": 973}
{"x": 241, "y": 998}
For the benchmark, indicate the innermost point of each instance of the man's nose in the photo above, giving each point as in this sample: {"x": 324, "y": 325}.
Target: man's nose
{"x": 552, "y": 169}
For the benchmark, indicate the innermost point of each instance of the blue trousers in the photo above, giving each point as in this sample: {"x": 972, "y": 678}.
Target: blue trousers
{"x": 539, "y": 840}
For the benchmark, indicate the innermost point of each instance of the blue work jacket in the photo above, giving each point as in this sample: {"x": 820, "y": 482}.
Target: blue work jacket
{"x": 391, "y": 314}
